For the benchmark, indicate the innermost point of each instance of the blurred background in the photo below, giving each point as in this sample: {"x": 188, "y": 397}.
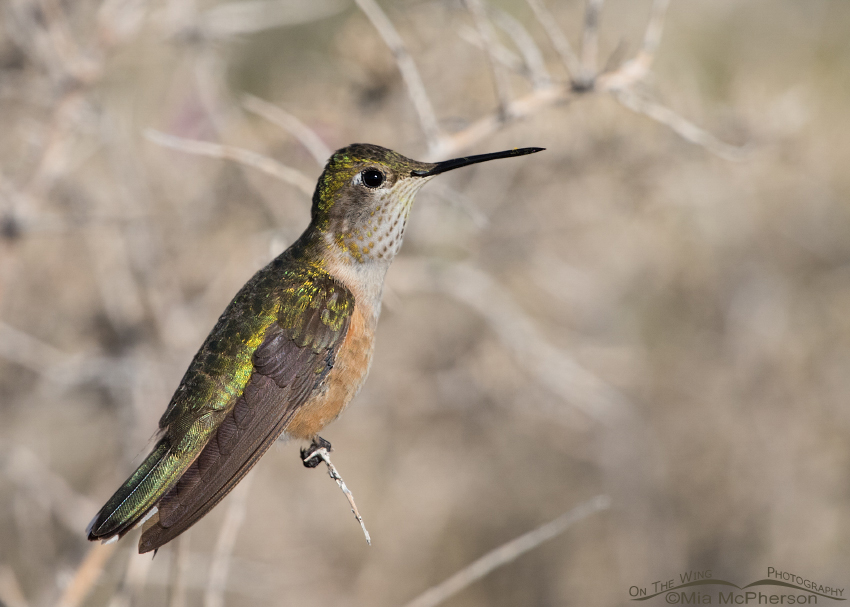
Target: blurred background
{"x": 628, "y": 314}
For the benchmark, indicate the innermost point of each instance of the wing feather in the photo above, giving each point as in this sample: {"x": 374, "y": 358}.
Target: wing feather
{"x": 289, "y": 366}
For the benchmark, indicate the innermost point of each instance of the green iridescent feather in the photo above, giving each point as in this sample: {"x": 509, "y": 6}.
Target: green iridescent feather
{"x": 287, "y": 294}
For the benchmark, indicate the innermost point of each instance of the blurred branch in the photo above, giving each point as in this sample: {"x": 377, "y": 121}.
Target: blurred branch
{"x": 24, "y": 26}
{"x": 549, "y": 365}
{"x": 635, "y": 70}
{"x": 531, "y": 54}
{"x": 56, "y": 367}
{"x": 251, "y": 16}
{"x": 220, "y": 566}
{"x": 180, "y": 571}
{"x": 52, "y": 364}
{"x": 28, "y": 351}
{"x": 501, "y": 53}
{"x": 683, "y": 127}
{"x": 226, "y": 152}
{"x": 27, "y": 471}
{"x": 557, "y": 38}
{"x": 87, "y": 574}
{"x": 120, "y": 20}
{"x": 508, "y": 552}
{"x": 41, "y": 29}
{"x": 332, "y": 472}
{"x": 523, "y": 107}
{"x": 64, "y": 46}
{"x": 590, "y": 44}
{"x": 276, "y": 115}
{"x": 585, "y": 79}
{"x": 488, "y": 38}
{"x": 11, "y": 594}
{"x": 134, "y": 580}
{"x": 119, "y": 290}
{"x": 652, "y": 37}
{"x": 461, "y": 201}
{"x": 415, "y": 87}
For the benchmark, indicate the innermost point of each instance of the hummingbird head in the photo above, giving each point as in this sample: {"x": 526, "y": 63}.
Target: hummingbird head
{"x": 364, "y": 196}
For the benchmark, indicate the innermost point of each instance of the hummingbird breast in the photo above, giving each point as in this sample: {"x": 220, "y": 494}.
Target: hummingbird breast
{"x": 344, "y": 381}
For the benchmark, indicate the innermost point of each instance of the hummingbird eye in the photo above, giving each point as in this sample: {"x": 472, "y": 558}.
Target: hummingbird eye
{"x": 372, "y": 178}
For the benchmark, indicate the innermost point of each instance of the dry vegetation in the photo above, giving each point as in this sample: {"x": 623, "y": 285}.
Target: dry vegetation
{"x": 628, "y": 314}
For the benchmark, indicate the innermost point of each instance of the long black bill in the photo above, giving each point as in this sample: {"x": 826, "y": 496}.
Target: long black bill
{"x": 456, "y": 163}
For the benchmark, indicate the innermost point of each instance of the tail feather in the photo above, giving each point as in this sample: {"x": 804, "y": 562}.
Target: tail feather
{"x": 134, "y": 500}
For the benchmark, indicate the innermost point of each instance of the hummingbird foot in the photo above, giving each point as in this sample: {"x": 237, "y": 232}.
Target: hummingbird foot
{"x": 310, "y": 455}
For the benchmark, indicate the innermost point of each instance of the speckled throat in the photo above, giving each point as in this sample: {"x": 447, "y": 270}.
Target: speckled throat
{"x": 378, "y": 237}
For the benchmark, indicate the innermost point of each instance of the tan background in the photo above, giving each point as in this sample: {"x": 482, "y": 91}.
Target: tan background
{"x": 706, "y": 302}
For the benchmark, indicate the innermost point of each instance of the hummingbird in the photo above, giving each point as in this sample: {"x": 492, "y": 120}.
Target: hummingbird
{"x": 288, "y": 353}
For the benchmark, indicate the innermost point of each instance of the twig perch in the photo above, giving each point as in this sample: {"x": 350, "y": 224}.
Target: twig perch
{"x": 332, "y": 472}
{"x": 508, "y": 552}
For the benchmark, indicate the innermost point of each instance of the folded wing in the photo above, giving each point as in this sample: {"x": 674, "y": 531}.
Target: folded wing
{"x": 290, "y": 365}
{"x": 212, "y": 438}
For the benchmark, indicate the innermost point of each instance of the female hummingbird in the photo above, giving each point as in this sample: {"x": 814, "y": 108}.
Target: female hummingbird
{"x": 288, "y": 353}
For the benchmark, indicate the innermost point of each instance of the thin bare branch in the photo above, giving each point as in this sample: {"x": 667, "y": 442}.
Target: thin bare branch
{"x": 488, "y": 37}
{"x": 531, "y": 54}
{"x": 87, "y": 574}
{"x": 557, "y": 37}
{"x": 684, "y": 128}
{"x": 242, "y": 156}
{"x": 508, "y": 552}
{"x": 276, "y": 115}
{"x": 590, "y": 43}
{"x": 332, "y": 472}
{"x": 415, "y": 87}
{"x": 233, "y": 519}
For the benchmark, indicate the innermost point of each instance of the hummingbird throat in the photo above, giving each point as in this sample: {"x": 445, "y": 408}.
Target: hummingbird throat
{"x": 377, "y": 236}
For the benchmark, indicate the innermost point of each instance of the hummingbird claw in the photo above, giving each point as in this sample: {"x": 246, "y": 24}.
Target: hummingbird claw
{"x": 309, "y": 455}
